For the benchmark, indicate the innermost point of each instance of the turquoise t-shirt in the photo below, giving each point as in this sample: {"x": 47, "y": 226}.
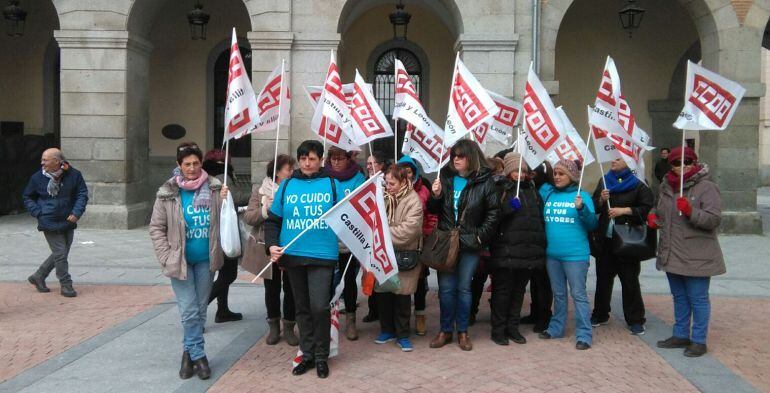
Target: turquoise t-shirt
{"x": 459, "y": 184}
{"x": 196, "y": 248}
{"x": 566, "y": 228}
{"x": 303, "y": 202}
{"x": 351, "y": 184}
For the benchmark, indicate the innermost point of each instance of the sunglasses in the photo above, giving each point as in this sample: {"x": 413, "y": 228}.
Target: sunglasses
{"x": 679, "y": 162}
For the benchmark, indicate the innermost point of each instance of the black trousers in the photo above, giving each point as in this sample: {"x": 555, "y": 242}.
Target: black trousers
{"x": 607, "y": 267}
{"x": 395, "y": 311}
{"x": 421, "y": 292}
{"x": 310, "y": 286}
{"x": 221, "y": 286}
{"x": 350, "y": 291}
{"x": 508, "y": 288}
{"x": 542, "y": 297}
{"x": 477, "y": 285}
{"x": 273, "y": 295}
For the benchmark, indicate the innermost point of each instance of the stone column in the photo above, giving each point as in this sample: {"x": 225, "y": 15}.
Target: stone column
{"x": 268, "y": 49}
{"x": 491, "y": 59}
{"x": 104, "y": 120}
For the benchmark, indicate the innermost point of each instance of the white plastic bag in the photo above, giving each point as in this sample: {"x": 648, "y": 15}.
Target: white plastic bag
{"x": 229, "y": 235}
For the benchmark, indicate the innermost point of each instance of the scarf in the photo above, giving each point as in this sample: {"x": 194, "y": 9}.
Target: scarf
{"x": 54, "y": 181}
{"x": 620, "y": 182}
{"x": 391, "y": 201}
{"x": 345, "y": 174}
{"x": 202, "y": 197}
{"x": 690, "y": 177}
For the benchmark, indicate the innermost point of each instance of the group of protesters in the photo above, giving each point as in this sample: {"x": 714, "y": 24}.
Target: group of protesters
{"x": 516, "y": 224}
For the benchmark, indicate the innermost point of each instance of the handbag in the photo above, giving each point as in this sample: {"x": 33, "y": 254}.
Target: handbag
{"x": 442, "y": 247}
{"x": 638, "y": 242}
{"x": 407, "y": 260}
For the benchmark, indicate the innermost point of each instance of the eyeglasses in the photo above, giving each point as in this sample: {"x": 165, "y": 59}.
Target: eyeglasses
{"x": 679, "y": 162}
{"x": 338, "y": 158}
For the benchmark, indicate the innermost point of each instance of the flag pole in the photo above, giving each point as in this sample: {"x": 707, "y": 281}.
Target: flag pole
{"x": 278, "y": 125}
{"x": 227, "y": 156}
{"x": 583, "y": 168}
{"x": 521, "y": 155}
{"x": 395, "y": 121}
{"x": 443, "y": 140}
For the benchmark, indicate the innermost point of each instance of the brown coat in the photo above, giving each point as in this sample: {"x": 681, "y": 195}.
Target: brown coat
{"x": 689, "y": 246}
{"x": 255, "y": 256}
{"x": 406, "y": 234}
{"x": 167, "y": 229}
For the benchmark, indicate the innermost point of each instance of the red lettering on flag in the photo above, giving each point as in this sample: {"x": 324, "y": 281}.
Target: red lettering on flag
{"x": 404, "y": 84}
{"x": 333, "y": 84}
{"x": 363, "y": 114}
{"x": 605, "y": 89}
{"x": 430, "y": 145}
{"x": 711, "y": 99}
{"x": 236, "y": 67}
{"x": 467, "y": 103}
{"x": 239, "y": 121}
{"x": 567, "y": 151}
{"x": 269, "y": 98}
{"x": 365, "y": 203}
{"x": 538, "y": 122}
{"x": 507, "y": 114}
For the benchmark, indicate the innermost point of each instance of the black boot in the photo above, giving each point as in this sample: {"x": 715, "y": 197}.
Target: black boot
{"x": 186, "y": 370}
{"x": 227, "y": 316}
{"x": 202, "y": 367}
{"x": 515, "y": 336}
{"x": 303, "y": 366}
{"x": 68, "y": 291}
{"x": 39, "y": 283}
{"x": 322, "y": 369}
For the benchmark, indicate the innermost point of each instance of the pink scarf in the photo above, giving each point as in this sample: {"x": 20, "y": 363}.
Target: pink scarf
{"x": 202, "y": 197}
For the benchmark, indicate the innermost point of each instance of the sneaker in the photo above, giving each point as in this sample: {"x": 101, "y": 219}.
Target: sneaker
{"x": 599, "y": 322}
{"x": 405, "y": 344}
{"x": 637, "y": 329}
{"x": 384, "y": 338}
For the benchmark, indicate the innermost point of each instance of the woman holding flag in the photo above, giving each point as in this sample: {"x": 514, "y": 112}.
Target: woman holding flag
{"x": 621, "y": 198}
{"x": 298, "y": 203}
{"x": 688, "y": 251}
{"x": 463, "y": 196}
{"x": 569, "y": 217}
{"x": 340, "y": 166}
{"x": 405, "y": 215}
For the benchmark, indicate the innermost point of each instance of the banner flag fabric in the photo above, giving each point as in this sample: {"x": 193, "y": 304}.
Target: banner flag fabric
{"x": 241, "y": 110}
{"x": 508, "y": 116}
{"x": 425, "y": 147}
{"x": 268, "y": 102}
{"x": 710, "y": 100}
{"x": 407, "y": 104}
{"x": 360, "y": 223}
{"x": 369, "y": 122}
{"x": 542, "y": 124}
{"x": 572, "y": 146}
{"x": 469, "y": 105}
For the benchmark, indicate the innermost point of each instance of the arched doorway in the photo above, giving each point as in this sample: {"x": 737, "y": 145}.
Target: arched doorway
{"x": 369, "y": 46}
{"x": 645, "y": 62}
{"x": 240, "y": 149}
{"x": 29, "y": 100}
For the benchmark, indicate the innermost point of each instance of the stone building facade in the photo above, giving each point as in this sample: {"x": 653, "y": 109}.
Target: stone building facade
{"x": 106, "y": 76}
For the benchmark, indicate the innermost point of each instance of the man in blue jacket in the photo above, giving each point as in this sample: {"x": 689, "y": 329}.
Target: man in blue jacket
{"x": 57, "y": 197}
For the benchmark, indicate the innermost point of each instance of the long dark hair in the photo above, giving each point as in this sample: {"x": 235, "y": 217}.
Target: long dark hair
{"x": 470, "y": 150}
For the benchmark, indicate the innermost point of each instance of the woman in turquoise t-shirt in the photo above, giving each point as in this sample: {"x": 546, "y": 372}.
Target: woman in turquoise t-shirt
{"x": 569, "y": 217}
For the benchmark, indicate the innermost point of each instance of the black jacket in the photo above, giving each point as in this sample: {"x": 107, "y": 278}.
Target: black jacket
{"x": 520, "y": 240}
{"x": 480, "y": 201}
{"x": 661, "y": 168}
{"x": 52, "y": 211}
{"x": 640, "y": 200}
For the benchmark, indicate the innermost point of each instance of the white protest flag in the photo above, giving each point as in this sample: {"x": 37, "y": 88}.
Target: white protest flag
{"x": 572, "y": 146}
{"x": 407, "y": 103}
{"x": 469, "y": 105}
{"x": 542, "y": 124}
{"x": 360, "y": 223}
{"x": 331, "y": 99}
{"x": 329, "y": 130}
{"x": 710, "y": 100}
{"x": 268, "y": 102}
{"x": 241, "y": 111}
{"x": 480, "y": 134}
{"x": 508, "y": 116}
{"x": 425, "y": 147}
{"x": 369, "y": 122}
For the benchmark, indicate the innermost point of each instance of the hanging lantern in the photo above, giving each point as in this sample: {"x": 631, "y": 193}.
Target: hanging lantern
{"x": 198, "y": 19}
{"x": 15, "y": 17}
{"x": 631, "y": 17}
{"x": 400, "y": 19}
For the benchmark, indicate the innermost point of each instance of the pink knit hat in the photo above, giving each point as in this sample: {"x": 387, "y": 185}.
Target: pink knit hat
{"x": 571, "y": 167}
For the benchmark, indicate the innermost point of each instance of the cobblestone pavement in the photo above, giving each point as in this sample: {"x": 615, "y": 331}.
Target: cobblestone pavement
{"x": 39, "y": 326}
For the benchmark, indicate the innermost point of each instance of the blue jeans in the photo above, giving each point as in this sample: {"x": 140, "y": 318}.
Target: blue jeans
{"x": 574, "y": 273}
{"x": 691, "y": 302}
{"x": 454, "y": 293}
{"x": 192, "y": 298}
